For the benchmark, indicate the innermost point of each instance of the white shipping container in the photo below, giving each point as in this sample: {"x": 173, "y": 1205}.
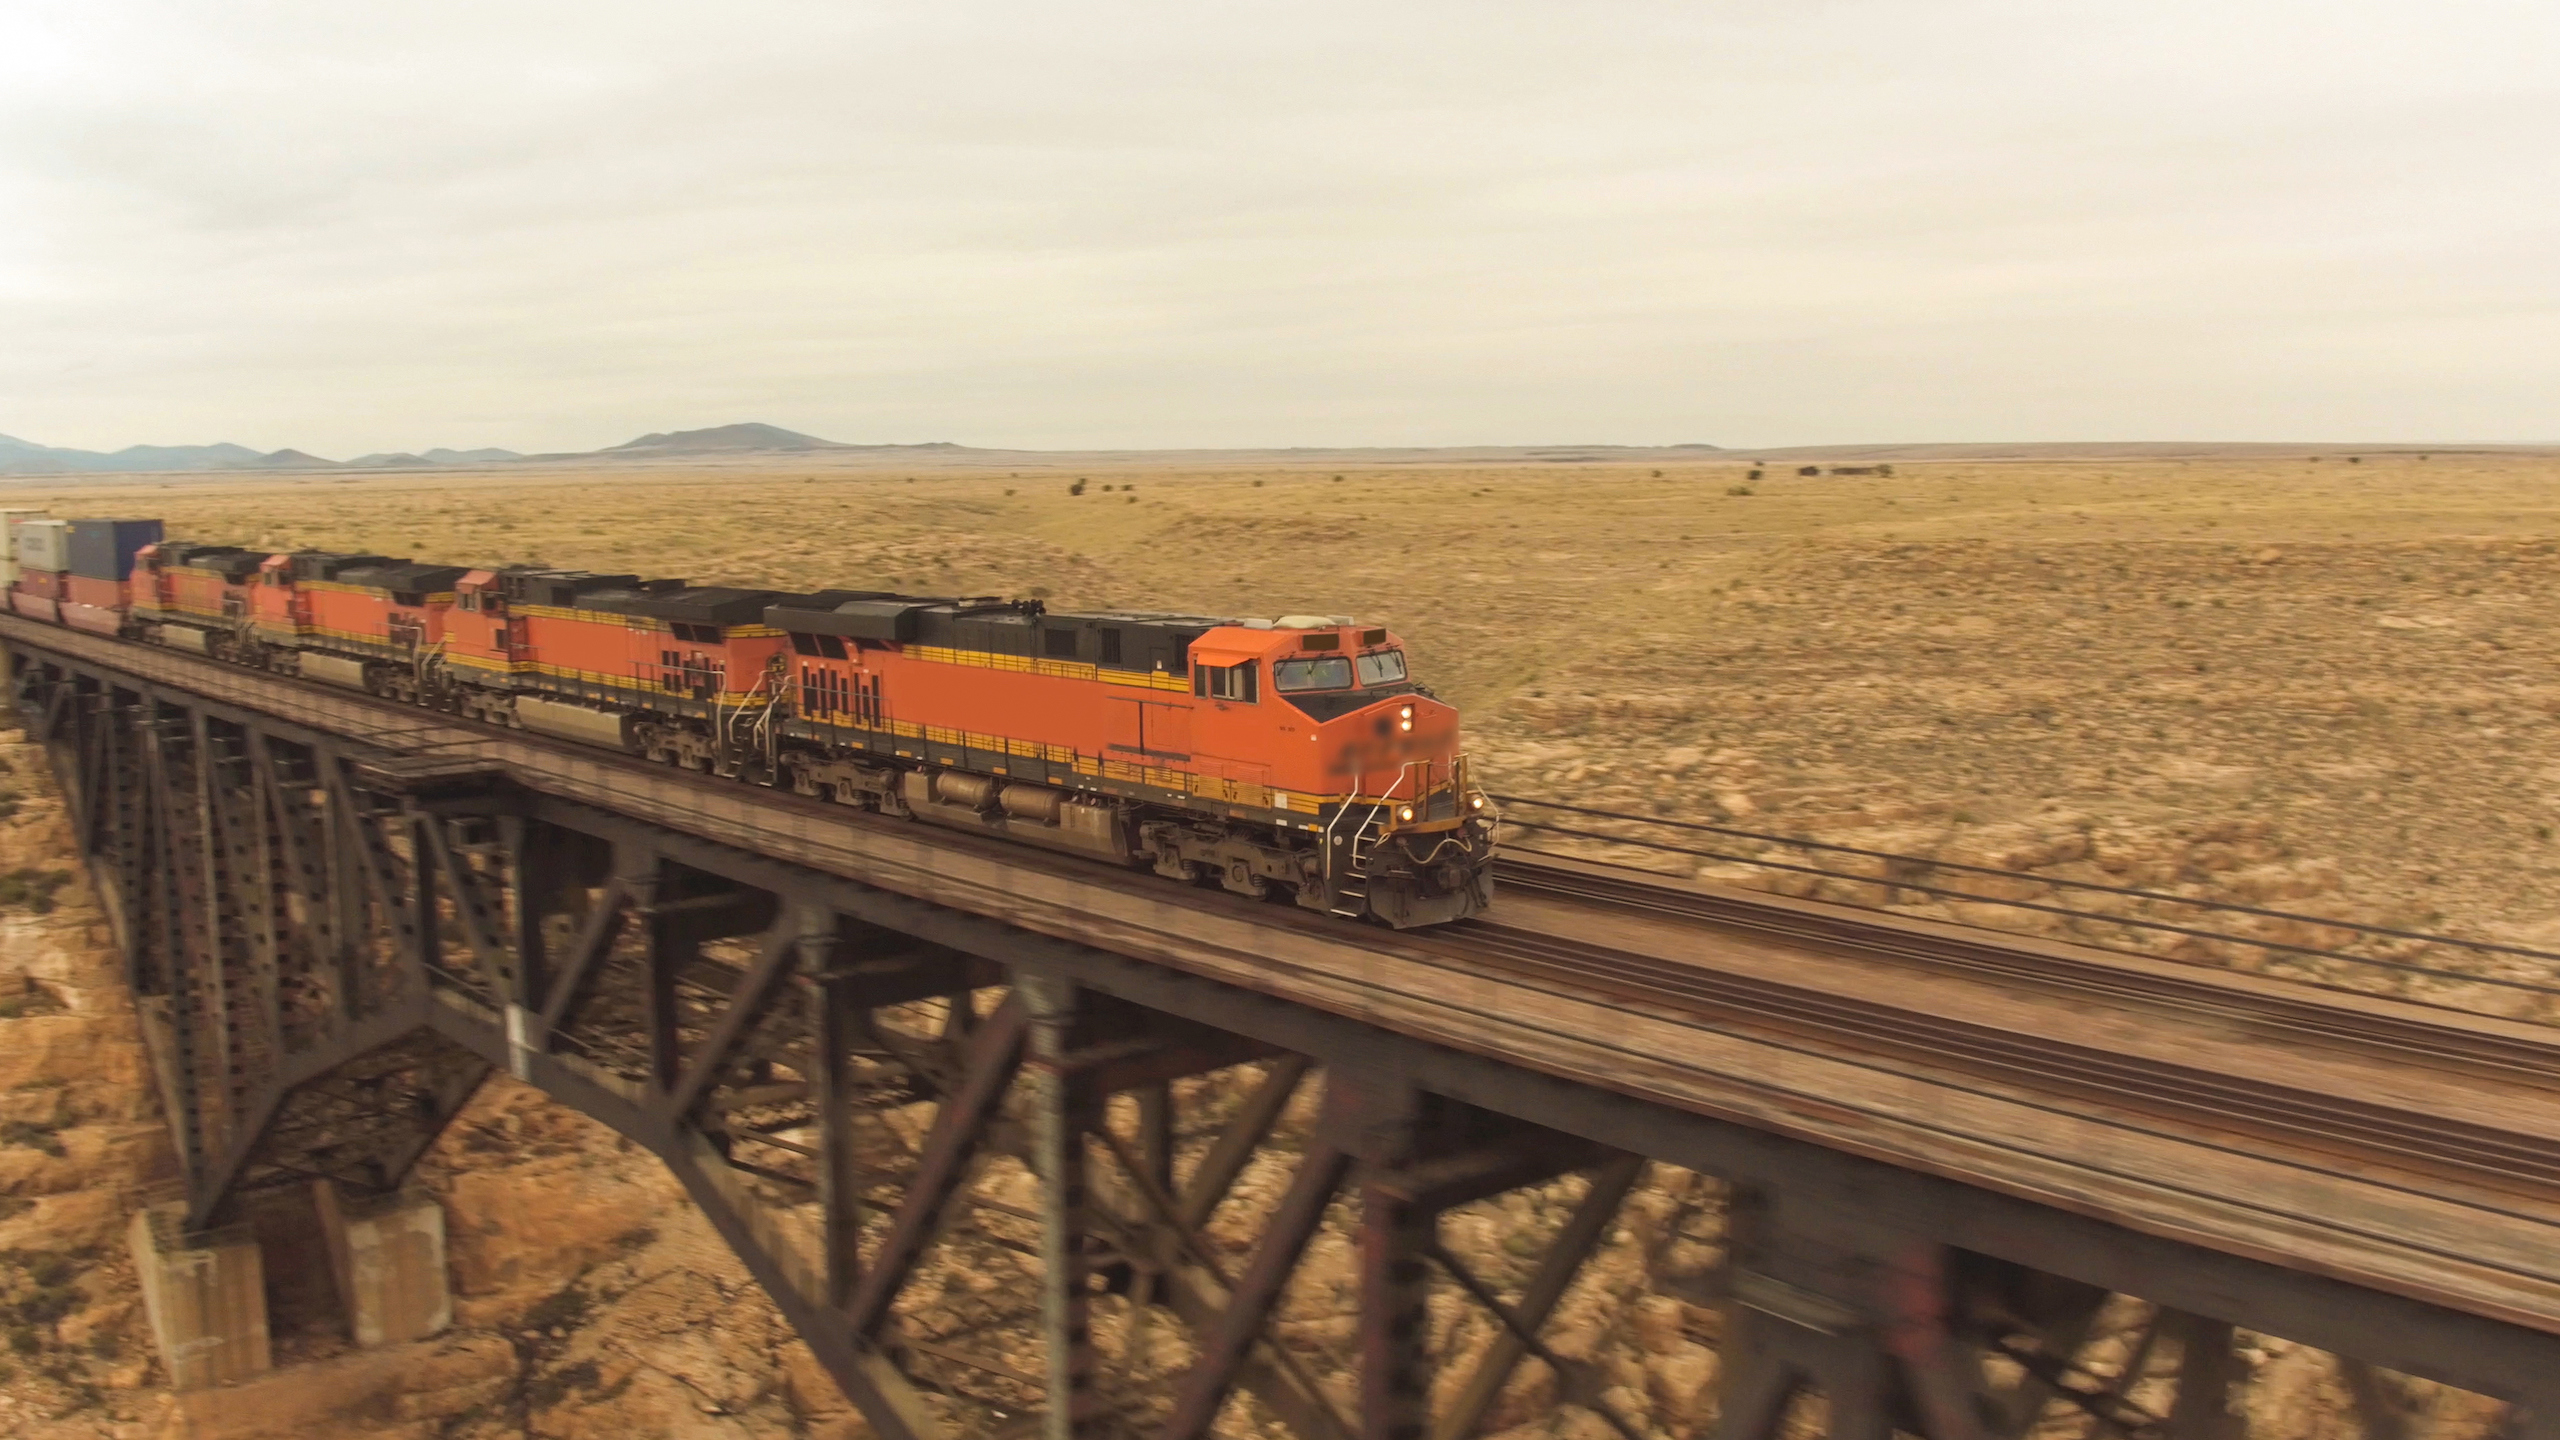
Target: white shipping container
{"x": 44, "y": 544}
{"x": 9, "y": 543}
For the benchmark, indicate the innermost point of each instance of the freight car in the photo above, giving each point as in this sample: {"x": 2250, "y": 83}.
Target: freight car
{"x": 1294, "y": 758}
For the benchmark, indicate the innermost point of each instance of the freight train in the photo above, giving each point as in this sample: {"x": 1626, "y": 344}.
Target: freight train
{"x": 1293, "y": 758}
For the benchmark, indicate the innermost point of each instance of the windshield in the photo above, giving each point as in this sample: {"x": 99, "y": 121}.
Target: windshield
{"x": 1330, "y": 672}
{"x": 1383, "y": 668}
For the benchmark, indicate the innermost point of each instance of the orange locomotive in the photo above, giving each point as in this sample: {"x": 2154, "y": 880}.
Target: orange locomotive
{"x": 1293, "y": 757}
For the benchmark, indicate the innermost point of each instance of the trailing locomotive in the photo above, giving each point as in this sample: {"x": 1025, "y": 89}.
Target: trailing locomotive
{"x": 1293, "y": 757}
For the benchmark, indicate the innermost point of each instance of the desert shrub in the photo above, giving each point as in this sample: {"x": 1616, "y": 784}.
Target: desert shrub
{"x": 1809, "y": 471}
{"x": 1737, "y": 490}
{"x": 31, "y": 890}
{"x": 1077, "y": 488}
{"x": 562, "y": 1310}
{"x": 546, "y": 1391}
{"x": 33, "y": 1135}
{"x": 48, "y": 1304}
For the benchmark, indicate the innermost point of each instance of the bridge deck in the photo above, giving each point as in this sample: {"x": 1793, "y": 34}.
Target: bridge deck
{"x": 2376, "y": 1142}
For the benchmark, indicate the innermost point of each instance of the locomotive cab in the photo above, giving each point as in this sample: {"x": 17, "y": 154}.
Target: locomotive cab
{"x": 1354, "y": 753}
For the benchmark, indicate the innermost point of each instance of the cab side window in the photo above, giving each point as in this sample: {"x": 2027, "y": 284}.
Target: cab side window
{"x": 1240, "y": 683}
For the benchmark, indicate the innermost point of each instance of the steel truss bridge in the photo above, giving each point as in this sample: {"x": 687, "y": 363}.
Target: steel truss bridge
{"x": 1942, "y": 1158}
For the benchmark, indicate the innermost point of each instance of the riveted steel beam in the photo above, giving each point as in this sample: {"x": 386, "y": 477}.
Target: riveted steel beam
{"x": 942, "y": 1166}
{"x": 1563, "y": 1260}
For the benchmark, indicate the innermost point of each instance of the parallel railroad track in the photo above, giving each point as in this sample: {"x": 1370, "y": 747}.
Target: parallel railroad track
{"x": 2363, "y": 1133}
{"x": 2359, "y": 1133}
{"x": 2462, "y": 1040}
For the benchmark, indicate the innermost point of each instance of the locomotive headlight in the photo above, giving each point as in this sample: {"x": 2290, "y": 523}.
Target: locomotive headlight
{"x": 1405, "y": 813}
{"x": 1404, "y": 718}
{"x": 1475, "y": 802}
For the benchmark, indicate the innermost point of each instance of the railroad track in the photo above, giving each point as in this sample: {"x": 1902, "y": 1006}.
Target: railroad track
{"x": 2462, "y": 1039}
{"x": 2360, "y": 1132}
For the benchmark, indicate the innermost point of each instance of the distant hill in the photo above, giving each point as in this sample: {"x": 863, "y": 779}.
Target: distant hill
{"x": 287, "y": 460}
{"x": 25, "y": 457}
{"x": 748, "y": 436}
{"x": 402, "y": 459}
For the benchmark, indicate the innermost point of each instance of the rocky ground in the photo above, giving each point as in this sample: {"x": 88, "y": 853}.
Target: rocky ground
{"x": 2318, "y": 685}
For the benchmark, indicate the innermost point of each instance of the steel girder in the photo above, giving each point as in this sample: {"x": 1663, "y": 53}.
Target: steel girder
{"x": 332, "y": 942}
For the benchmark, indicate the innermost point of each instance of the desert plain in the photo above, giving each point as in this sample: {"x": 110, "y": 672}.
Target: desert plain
{"x": 2336, "y": 662}
{"x": 2318, "y": 680}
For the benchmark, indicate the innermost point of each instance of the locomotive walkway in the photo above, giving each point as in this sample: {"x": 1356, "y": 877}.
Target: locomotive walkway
{"x": 1945, "y": 1148}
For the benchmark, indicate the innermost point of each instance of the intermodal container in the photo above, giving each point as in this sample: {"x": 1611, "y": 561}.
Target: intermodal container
{"x": 104, "y": 549}
{"x": 44, "y": 584}
{"x": 82, "y": 589}
{"x": 43, "y": 544}
{"x": 9, "y": 521}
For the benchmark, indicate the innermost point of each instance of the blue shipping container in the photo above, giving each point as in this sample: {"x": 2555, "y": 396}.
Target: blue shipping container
{"x": 104, "y": 549}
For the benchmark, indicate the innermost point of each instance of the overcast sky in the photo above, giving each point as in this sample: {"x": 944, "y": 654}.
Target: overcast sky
{"x": 552, "y": 225}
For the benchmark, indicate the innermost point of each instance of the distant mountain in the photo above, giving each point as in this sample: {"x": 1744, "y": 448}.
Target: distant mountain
{"x": 725, "y": 437}
{"x": 405, "y": 460}
{"x": 25, "y": 457}
{"x": 286, "y": 460}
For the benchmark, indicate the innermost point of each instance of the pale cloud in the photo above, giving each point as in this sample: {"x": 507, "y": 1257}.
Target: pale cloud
{"x": 555, "y": 225}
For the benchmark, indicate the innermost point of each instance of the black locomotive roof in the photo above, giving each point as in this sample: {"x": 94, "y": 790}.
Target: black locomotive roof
{"x": 694, "y": 604}
{"x": 881, "y": 615}
{"x": 188, "y": 552}
{"x": 1137, "y": 640}
{"x": 402, "y": 575}
{"x": 1168, "y": 618}
{"x": 329, "y": 564}
{"x": 534, "y": 586}
{"x": 231, "y": 562}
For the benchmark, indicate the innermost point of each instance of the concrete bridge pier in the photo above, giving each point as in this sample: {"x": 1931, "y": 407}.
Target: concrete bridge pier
{"x": 209, "y": 1293}
{"x": 206, "y": 1297}
{"x": 387, "y": 1255}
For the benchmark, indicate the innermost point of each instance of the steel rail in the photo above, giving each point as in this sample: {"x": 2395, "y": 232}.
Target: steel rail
{"x": 1923, "y": 862}
{"x": 2458, "y": 1040}
{"x": 2357, "y": 1131}
{"x": 1927, "y": 862}
{"x": 2286, "y": 947}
